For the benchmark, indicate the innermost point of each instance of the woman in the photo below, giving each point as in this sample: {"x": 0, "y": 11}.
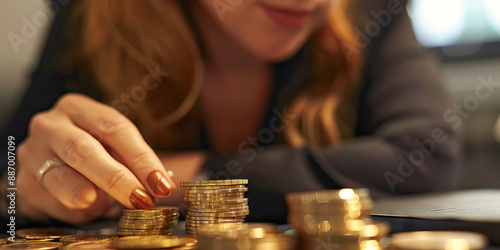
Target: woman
{"x": 293, "y": 95}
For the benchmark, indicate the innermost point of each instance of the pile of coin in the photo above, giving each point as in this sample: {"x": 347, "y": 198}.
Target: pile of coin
{"x": 156, "y": 221}
{"x": 248, "y": 236}
{"x": 214, "y": 202}
{"x": 336, "y": 219}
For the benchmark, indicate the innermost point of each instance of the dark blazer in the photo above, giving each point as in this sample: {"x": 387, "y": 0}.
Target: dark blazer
{"x": 402, "y": 143}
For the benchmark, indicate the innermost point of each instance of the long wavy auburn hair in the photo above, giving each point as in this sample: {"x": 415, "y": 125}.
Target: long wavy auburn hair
{"x": 121, "y": 41}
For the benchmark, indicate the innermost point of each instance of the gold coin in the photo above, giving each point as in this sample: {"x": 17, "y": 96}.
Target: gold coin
{"x": 218, "y": 206}
{"x": 376, "y": 230}
{"x": 195, "y": 227}
{"x": 330, "y": 242}
{"x": 68, "y": 239}
{"x": 220, "y": 210}
{"x": 206, "y": 222}
{"x": 144, "y": 227}
{"x": 3, "y": 241}
{"x": 145, "y": 230}
{"x": 132, "y": 225}
{"x": 235, "y": 230}
{"x": 214, "y": 195}
{"x": 213, "y": 199}
{"x": 212, "y": 188}
{"x": 34, "y": 245}
{"x": 213, "y": 183}
{"x": 144, "y": 233}
{"x": 192, "y": 223}
{"x": 148, "y": 221}
{"x": 16, "y": 240}
{"x": 219, "y": 214}
{"x": 329, "y": 198}
{"x": 99, "y": 245}
{"x": 153, "y": 211}
{"x": 192, "y": 217}
{"x": 192, "y": 226}
{"x": 151, "y": 242}
{"x": 151, "y": 220}
{"x": 243, "y": 236}
{"x": 133, "y": 232}
{"x": 149, "y": 216}
{"x": 213, "y": 219}
{"x": 437, "y": 240}
{"x": 41, "y": 233}
{"x": 216, "y": 191}
{"x": 327, "y": 227}
{"x": 241, "y": 212}
{"x": 217, "y": 202}
{"x": 187, "y": 246}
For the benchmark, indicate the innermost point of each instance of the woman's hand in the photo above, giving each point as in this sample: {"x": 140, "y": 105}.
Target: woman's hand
{"x": 106, "y": 160}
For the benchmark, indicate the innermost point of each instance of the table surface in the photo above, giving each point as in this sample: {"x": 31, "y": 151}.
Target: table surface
{"x": 109, "y": 227}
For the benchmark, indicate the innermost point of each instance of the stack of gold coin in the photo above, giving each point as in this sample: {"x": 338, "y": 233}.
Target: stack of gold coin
{"x": 335, "y": 219}
{"x": 248, "y": 236}
{"x": 214, "y": 202}
{"x": 156, "y": 221}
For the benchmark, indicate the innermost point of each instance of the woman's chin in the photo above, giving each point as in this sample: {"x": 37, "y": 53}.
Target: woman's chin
{"x": 277, "y": 50}
{"x": 275, "y": 56}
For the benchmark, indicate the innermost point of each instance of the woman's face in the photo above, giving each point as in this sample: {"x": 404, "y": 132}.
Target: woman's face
{"x": 272, "y": 30}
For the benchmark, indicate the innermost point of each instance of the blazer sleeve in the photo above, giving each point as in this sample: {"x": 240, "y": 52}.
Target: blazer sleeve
{"x": 403, "y": 144}
{"x": 48, "y": 81}
{"x": 46, "y": 86}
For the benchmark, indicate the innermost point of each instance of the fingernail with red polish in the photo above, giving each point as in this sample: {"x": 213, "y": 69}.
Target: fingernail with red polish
{"x": 141, "y": 200}
{"x": 159, "y": 184}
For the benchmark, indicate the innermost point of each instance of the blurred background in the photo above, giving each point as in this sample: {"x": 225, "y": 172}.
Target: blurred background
{"x": 463, "y": 34}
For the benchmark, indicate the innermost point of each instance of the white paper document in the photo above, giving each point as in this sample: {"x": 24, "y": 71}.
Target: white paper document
{"x": 482, "y": 205}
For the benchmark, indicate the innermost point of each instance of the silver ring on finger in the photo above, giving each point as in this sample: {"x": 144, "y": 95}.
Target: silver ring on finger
{"x": 45, "y": 168}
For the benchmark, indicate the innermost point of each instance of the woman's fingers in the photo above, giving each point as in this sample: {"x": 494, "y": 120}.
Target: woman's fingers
{"x": 63, "y": 183}
{"x": 70, "y": 187}
{"x": 36, "y": 203}
{"x": 86, "y": 155}
{"x": 119, "y": 133}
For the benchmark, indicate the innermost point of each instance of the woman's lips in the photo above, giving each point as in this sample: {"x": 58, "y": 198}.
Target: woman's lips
{"x": 286, "y": 17}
